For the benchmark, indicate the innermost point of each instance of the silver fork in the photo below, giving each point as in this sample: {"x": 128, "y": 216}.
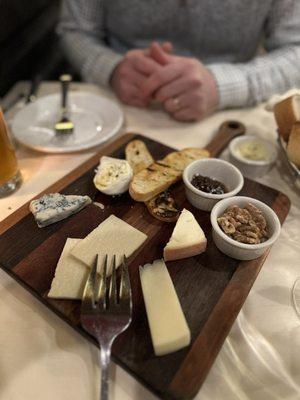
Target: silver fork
{"x": 106, "y": 315}
{"x": 64, "y": 126}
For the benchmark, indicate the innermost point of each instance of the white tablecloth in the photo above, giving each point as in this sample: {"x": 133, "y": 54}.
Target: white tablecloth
{"x": 41, "y": 357}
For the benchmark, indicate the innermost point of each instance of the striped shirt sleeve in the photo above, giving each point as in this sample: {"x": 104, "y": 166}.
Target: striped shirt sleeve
{"x": 83, "y": 39}
{"x": 245, "y": 84}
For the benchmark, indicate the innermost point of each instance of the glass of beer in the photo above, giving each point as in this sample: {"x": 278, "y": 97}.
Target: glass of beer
{"x": 10, "y": 176}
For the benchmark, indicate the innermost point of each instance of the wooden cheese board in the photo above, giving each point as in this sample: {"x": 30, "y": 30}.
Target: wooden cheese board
{"x": 211, "y": 287}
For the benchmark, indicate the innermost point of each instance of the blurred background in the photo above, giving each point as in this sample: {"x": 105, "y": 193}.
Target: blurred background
{"x": 28, "y": 42}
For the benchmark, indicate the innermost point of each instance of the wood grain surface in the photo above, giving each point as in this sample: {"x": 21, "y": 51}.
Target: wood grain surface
{"x": 211, "y": 286}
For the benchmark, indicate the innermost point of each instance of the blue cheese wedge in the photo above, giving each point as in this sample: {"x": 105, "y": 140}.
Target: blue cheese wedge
{"x": 54, "y": 207}
{"x": 113, "y": 176}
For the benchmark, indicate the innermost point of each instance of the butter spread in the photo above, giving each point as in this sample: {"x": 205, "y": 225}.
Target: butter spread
{"x": 253, "y": 150}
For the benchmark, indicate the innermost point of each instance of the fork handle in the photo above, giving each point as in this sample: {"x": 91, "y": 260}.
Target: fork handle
{"x": 105, "y": 361}
{"x": 65, "y": 81}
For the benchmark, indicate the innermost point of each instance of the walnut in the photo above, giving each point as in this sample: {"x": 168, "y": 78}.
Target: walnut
{"x": 257, "y": 216}
{"x": 252, "y": 209}
{"x": 226, "y": 225}
{"x": 252, "y": 235}
{"x": 243, "y": 216}
{"x": 245, "y": 239}
{"x": 249, "y": 228}
{"x": 245, "y": 225}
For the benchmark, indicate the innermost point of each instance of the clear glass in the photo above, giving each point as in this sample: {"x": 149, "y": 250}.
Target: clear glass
{"x": 10, "y": 176}
{"x": 296, "y": 296}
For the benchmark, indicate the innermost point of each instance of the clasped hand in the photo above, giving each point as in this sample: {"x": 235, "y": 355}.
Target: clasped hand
{"x": 183, "y": 85}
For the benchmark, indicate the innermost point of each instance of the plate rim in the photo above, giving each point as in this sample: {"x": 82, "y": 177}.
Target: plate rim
{"x": 59, "y": 150}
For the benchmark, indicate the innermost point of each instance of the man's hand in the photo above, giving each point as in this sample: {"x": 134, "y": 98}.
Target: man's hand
{"x": 184, "y": 86}
{"x": 130, "y": 73}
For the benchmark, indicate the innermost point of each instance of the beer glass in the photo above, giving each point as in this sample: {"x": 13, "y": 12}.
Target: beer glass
{"x": 10, "y": 176}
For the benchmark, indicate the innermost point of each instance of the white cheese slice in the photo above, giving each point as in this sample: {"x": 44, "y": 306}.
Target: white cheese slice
{"x": 54, "y": 207}
{"x": 113, "y": 176}
{"x": 70, "y": 275}
{"x": 112, "y": 236}
{"x": 168, "y": 326}
{"x": 187, "y": 240}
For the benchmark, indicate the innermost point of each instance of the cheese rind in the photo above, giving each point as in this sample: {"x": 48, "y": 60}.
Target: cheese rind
{"x": 187, "y": 240}
{"x": 112, "y": 236}
{"x": 54, "y": 207}
{"x": 168, "y": 326}
{"x": 70, "y": 275}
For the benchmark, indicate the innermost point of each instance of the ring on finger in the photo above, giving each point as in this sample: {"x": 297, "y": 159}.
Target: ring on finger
{"x": 176, "y": 103}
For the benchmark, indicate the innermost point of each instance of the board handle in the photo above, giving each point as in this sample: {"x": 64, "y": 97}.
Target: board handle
{"x": 226, "y": 132}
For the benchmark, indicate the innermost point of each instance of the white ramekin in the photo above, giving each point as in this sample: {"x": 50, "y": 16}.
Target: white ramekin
{"x": 251, "y": 168}
{"x": 231, "y": 247}
{"x": 217, "y": 169}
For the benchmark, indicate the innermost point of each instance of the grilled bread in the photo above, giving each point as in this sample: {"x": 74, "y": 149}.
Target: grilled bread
{"x": 138, "y": 156}
{"x": 181, "y": 159}
{"x": 151, "y": 178}
{"x": 151, "y": 181}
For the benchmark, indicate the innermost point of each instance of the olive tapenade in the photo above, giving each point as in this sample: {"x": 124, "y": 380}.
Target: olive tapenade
{"x": 208, "y": 185}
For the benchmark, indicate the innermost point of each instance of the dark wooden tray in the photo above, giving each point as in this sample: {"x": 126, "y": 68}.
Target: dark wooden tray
{"x": 211, "y": 287}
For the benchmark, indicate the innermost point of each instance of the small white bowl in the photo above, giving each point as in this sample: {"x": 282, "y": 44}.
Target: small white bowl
{"x": 252, "y": 168}
{"x": 214, "y": 168}
{"x": 243, "y": 251}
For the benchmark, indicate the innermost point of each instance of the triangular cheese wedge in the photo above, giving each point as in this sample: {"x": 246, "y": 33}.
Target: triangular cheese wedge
{"x": 54, "y": 207}
{"x": 187, "y": 239}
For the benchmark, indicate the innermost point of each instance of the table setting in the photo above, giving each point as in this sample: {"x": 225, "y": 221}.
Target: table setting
{"x": 242, "y": 333}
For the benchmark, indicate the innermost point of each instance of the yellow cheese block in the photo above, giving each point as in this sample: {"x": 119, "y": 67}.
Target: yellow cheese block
{"x": 70, "y": 275}
{"x": 168, "y": 326}
{"x": 112, "y": 236}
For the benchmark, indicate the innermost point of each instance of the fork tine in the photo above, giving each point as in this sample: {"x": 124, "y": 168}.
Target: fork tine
{"x": 88, "y": 297}
{"x": 125, "y": 287}
{"x": 106, "y": 321}
{"x": 113, "y": 284}
{"x": 102, "y": 285}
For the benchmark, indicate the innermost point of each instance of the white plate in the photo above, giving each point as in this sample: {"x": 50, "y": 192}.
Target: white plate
{"x": 96, "y": 119}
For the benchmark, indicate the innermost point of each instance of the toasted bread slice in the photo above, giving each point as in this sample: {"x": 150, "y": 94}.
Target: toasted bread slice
{"x": 151, "y": 181}
{"x": 293, "y": 147}
{"x": 195, "y": 154}
{"x": 181, "y": 159}
{"x": 286, "y": 113}
{"x": 177, "y": 160}
{"x": 166, "y": 170}
{"x": 138, "y": 155}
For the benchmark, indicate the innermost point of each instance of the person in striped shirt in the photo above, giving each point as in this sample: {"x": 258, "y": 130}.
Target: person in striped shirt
{"x": 192, "y": 56}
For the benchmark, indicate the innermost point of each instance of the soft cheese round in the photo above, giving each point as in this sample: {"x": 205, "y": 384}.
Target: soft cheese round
{"x": 113, "y": 176}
